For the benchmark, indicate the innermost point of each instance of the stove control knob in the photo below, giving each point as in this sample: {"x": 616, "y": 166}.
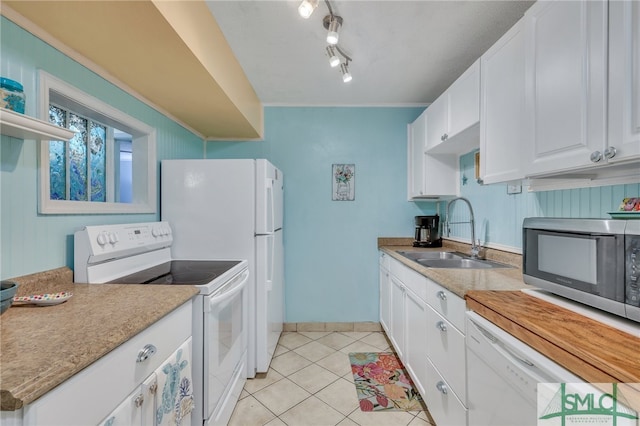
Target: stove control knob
{"x": 155, "y": 232}
{"x": 113, "y": 237}
{"x": 102, "y": 238}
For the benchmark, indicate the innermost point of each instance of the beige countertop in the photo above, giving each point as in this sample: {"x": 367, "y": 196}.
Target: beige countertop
{"x": 42, "y": 346}
{"x": 460, "y": 281}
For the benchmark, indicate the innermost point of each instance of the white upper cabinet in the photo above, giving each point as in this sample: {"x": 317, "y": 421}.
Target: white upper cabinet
{"x": 624, "y": 81}
{"x": 566, "y": 85}
{"x": 416, "y": 134}
{"x": 453, "y": 118}
{"x": 429, "y": 176}
{"x": 502, "y": 108}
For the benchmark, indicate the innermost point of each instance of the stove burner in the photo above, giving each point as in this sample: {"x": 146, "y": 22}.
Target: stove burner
{"x": 180, "y": 272}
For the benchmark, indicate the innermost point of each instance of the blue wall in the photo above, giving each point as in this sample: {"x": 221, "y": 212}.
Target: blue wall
{"x": 331, "y": 246}
{"x": 31, "y": 242}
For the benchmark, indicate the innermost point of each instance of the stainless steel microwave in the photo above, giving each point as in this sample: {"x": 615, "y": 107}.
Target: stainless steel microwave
{"x": 591, "y": 261}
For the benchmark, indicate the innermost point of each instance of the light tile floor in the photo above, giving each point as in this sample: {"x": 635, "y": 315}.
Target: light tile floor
{"x": 309, "y": 383}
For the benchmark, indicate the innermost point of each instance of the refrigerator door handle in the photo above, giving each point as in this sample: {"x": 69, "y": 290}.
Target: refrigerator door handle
{"x": 270, "y": 207}
{"x": 270, "y": 261}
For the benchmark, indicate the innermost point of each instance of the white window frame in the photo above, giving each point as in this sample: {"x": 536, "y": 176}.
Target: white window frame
{"x": 143, "y": 147}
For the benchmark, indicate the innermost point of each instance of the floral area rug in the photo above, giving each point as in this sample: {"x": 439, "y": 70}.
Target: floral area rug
{"x": 382, "y": 383}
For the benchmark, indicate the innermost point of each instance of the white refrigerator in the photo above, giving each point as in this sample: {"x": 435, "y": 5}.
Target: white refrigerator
{"x": 233, "y": 209}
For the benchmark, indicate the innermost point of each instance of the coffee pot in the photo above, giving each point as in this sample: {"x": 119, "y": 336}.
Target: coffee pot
{"x": 427, "y": 232}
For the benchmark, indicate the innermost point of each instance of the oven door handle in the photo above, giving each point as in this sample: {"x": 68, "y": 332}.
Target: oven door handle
{"x": 229, "y": 290}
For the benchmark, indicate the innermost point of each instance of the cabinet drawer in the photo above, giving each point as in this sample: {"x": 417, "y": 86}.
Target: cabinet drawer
{"x": 447, "y": 352}
{"x": 445, "y": 408}
{"x": 413, "y": 280}
{"x": 90, "y": 395}
{"x": 449, "y": 305}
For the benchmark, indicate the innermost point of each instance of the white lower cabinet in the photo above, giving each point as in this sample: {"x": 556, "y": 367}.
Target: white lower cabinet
{"x": 443, "y": 404}
{"x": 130, "y": 385}
{"x": 415, "y": 351}
{"x": 385, "y": 291}
{"x": 397, "y": 325}
{"x": 137, "y": 408}
{"x": 426, "y": 329}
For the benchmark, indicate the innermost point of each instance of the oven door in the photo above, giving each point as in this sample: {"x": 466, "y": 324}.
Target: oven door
{"x": 225, "y": 339}
{"x": 577, "y": 265}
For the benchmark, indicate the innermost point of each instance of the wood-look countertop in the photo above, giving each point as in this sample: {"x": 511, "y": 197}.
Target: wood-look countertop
{"x": 42, "y": 346}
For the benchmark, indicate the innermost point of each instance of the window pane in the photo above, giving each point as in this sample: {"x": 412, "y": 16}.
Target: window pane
{"x": 97, "y": 140}
{"x": 57, "y": 170}
{"x": 57, "y": 157}
{"x": 78, "y": 158}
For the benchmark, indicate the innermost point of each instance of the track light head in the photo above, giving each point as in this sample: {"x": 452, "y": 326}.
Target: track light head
{"x": 332, "y": 23}
{"x": 346, "y": 75}
{"x": 334, "y": 61}
{"x": 307, "y": 7}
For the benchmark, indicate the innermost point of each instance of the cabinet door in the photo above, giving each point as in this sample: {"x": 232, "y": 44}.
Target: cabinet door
{"x": 174, "y": 397}
{"x": 138, "y": 409}
{"x": 464, "y": 101}
{"x": 624, "y": 80}
{"x": 416, "y": 133}
{"x": 437, "y": 121}
{"x": 416, "y": 340}
{"x": 566, "y": 81}
{"x": 502, "y": 114}
{"x": 385, "y": 298}
{"x": 397, "y": 316}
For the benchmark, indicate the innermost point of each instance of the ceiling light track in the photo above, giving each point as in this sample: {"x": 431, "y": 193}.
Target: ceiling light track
{"x": 332, "y": 23}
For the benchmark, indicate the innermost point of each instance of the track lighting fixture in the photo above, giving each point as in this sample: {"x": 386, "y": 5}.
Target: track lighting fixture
{"x": 334, "y": 61}
{"x": 346, "y": 75}
{"x": 307, "y": 7}
{"x": 332, "y": 23}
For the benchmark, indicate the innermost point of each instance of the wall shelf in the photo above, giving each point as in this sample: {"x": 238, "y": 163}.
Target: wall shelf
{"x": 24, "y": 127}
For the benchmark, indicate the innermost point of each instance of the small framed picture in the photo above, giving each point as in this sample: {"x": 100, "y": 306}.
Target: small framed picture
{"x": 343, "y": 177}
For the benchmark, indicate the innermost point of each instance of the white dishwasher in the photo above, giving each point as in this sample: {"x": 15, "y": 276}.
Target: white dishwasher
{"x": 503, "y": 374}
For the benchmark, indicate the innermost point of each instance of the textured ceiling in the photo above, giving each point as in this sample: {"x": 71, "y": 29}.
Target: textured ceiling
{"x": 404, "y": 52}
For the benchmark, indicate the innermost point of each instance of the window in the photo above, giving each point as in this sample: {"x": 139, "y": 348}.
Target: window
{"x": 109, "y": 166}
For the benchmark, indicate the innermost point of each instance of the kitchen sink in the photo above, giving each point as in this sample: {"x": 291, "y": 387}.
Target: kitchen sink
{"x": 467, "y": 263}
{"x": 447, "y": 259}
{"x": 431, "y": 255}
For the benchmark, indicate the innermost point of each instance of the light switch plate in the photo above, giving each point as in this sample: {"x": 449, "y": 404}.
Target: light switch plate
{"x": 514, "y": 189}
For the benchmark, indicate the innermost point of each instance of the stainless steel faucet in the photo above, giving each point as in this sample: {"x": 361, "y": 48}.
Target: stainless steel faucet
{"x": 475, "y": 247}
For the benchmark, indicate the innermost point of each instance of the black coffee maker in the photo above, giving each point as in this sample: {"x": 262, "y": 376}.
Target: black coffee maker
{"x": 427, "y": 231}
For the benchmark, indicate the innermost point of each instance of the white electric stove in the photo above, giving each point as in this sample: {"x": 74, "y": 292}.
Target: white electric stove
{"x": 140, "y": 253}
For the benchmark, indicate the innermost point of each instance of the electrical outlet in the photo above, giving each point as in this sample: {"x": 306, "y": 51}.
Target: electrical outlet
{"x": 514, "y": 189}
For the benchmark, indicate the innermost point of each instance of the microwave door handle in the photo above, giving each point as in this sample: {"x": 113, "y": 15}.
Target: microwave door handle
{"x": 228, "y": 293}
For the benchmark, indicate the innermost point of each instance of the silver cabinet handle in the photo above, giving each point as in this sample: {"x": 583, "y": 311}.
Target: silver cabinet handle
{"x": 139, "y": 401}
{"x": 441, "y": 295}
{"x": 145, "y": 353}
{"x": 610, "y": 152}
{"x": 596, "y": 156}
{"x": 153, "y": 388}
{"x": 440, "y": 325}
{"x": 442, "y": 387}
